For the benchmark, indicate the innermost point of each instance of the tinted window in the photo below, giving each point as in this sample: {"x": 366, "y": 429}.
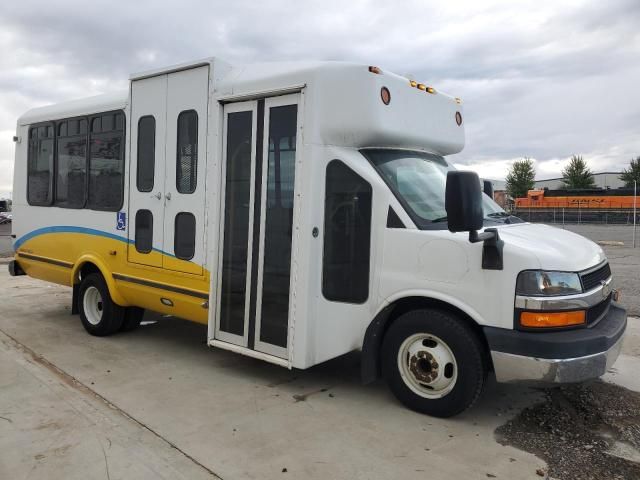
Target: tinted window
{"x": 146, "y": 153}
{"x": 236, "y": 222}
{"x": 106, "y": 162}
{"x": 278, "y": 225}
{"x": 347, "y": 235}
{"x": 185, "y": 236}
{"x": 187, "y": 154}
{"x": 71, "y": 161}
{"x": 40, "y": 165}
{"x": 144, "y": 231}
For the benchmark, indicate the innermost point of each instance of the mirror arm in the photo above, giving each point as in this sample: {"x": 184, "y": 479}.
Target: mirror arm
{"x": 492, "y": 248}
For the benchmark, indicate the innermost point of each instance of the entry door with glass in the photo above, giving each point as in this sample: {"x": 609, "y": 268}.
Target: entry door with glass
{"x": 259, "y": 159}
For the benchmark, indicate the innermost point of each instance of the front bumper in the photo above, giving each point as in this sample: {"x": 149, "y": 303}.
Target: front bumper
{"x": 566, "y": 356}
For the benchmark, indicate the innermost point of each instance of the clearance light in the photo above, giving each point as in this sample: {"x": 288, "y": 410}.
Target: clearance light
{"x": 458, "y": 100}
{"x": 413, "y": 83}
{"x": 458, "y": 118}
{"x": 554, "y": 319}
{"x": 422, "y": 86}
{"x": 431, "y": 90}
{"x": 375, "y": 70}
{"x": 385, "y": 95}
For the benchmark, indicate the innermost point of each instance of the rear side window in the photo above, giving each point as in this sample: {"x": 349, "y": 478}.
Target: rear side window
{"x": 347, "y": 235}
{"x": 106, "y": 162}
{"x": 71, "y": 163}
{"x": 185, "y": 236}
{"x": 146, "y": 153}
{"x": 40, "y": 165}
{"x": 187, "y": 152}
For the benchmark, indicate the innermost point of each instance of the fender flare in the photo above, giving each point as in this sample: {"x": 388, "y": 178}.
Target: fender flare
{"x": 370, "y": 367}
{"x": 106, "y": 274}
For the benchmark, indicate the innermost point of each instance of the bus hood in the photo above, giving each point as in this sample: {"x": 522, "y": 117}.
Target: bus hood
{"x": 555, "y": 248}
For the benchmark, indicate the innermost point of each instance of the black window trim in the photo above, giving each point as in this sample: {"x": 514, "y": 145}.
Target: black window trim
{"x": 324, "y": 233}
{"x": 52, "y": 173}
{"x": 153, "y": 177}
{"x": 195, "y": 177}
{"x": 54, "y": 166}
{"x": 135, "y": 232}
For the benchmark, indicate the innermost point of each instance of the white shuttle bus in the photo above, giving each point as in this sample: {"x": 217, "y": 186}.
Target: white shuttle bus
{"x": 303, "y": 211}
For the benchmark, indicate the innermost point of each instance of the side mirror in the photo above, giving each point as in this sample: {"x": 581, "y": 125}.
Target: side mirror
{"x": 463, "y": 202}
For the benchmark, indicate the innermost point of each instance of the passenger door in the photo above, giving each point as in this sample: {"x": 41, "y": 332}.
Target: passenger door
{"x": 168, "y": 160}
{"x": 261, "y": 139}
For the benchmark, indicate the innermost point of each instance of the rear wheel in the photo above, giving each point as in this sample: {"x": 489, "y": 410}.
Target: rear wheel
{"x": 100, "y": 315}
{"x": 433, "y": 362}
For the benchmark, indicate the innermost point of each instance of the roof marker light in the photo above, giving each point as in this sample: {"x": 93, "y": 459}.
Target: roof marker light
{"x": 385, "y": 95}
{"x": 458, "y": 100}
{"x": 431, "y": 90}
{"x": 375, "y": 70}
{"x": 413, "y": 83}
{"x": 422, "y": 86}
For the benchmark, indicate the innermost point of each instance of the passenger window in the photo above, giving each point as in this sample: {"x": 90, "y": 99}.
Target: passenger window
{"x": 347, "y": 235}
{"x": 187, "y": 152}
{"x": 106, "y": 162}
{"x": 146, "y": 153}
{"x": 144, "y": 231}
{"x": 40, "y": 165}
{"x": 185, "y": 236}
{"x": 71, "y": 162}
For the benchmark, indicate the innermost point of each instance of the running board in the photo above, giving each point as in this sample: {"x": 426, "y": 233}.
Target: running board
{"x": 250, "y": 353}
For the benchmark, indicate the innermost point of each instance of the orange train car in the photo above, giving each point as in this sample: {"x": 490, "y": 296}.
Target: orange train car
{"x": 617, "y": 199}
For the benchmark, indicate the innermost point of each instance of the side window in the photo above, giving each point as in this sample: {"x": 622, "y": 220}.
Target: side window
{"x": 106, "y": 162}
{"x": 187, "y": 152}
{"x": 71, "y": 163}
{"x": 185, "y": 236}
{"x": 347, "y": 235}
{"x": 146, "y": 153}
{"x": 144, "y": 231}
{"x": 40, "y": 165}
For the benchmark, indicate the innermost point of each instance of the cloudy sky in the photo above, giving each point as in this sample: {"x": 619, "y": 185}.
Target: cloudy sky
{"x": 543, "y": 79}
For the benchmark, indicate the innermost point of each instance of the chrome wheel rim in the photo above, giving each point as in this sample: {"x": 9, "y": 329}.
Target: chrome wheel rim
{"x": 427, "y": 365}
{"x": 93, "y": 306}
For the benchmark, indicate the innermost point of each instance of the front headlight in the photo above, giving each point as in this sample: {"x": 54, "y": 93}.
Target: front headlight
{"x": 541, "y": 283}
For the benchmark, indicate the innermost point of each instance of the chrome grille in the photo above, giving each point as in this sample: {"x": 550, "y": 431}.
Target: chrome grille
{"x": 592, "y": 279}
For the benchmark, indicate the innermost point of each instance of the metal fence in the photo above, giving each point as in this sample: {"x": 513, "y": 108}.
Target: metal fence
{"x": 562, "y": 215}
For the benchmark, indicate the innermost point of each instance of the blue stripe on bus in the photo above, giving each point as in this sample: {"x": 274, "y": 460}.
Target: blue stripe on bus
{"x": 71, "y": 229}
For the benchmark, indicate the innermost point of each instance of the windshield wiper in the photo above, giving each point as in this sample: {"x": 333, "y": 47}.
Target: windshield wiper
{"x": 439, "y": 219}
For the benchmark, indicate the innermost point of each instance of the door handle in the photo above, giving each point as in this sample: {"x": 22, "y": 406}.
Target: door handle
{"x": 157, "y": 195}
{"x": 168, "y": 196}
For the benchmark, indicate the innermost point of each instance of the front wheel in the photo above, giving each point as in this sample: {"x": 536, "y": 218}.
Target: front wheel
{"x": 433, "y": 362}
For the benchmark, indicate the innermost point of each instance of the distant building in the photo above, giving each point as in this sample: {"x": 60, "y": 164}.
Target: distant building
{"x": 603, "y": 180}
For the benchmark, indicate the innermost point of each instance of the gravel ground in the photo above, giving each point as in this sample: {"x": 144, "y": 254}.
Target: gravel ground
{"x": 583, "y": 432}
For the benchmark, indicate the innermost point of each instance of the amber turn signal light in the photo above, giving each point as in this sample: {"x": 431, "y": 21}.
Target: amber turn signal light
{"x": 552, "y": 319}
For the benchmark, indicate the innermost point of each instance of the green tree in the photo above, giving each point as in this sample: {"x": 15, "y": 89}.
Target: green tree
{"x": 577, "y": 174}
{"x": 632, "y": 174}
{"x": 520, "y": 178}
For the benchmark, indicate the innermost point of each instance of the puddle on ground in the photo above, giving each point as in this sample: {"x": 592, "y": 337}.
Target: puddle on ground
{"x": 583, "y": 432}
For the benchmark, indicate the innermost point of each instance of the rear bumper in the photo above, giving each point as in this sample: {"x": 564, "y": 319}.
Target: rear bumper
{"x": 558, "y": 357}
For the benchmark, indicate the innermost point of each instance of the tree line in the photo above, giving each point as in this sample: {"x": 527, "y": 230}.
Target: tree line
{"x": 576, "y": 175}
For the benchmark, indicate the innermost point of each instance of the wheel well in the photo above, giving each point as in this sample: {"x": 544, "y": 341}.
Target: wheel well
{"x": 374, "y": 336}
{"x": 86, "y": 269}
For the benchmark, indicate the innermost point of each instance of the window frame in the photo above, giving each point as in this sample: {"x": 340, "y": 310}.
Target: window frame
{"x": 153, "y": 176}
{"x": 324, "y": 235}
{"x": 86, "y": 164}
{"x": 52, "y": 163}
{"x": 195, "y": 176}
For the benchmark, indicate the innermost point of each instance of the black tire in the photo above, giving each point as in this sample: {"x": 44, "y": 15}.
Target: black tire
{"x": 107, "y": 317}
{"x": 468, "y": 352}
{"x": 132, "y": 318}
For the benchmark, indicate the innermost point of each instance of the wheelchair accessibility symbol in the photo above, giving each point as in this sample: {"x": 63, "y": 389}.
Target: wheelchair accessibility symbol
{"x": 121, "y": 223}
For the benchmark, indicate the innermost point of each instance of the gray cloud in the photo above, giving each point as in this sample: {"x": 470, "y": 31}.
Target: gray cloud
{"x": 537, "y": 78}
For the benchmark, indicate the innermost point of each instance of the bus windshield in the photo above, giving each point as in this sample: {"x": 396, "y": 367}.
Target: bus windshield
{"x": 419, "y": 180}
